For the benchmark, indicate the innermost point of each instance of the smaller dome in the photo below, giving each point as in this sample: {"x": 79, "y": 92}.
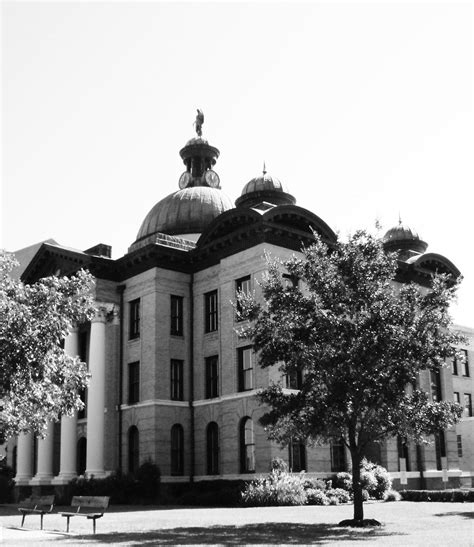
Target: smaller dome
{"x": 402, "y": 237}
{"x": 262, "y": 183}
{"x": 264, "y": 188}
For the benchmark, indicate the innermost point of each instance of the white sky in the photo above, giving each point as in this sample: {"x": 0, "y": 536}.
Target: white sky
{"x": 363, "y": 110}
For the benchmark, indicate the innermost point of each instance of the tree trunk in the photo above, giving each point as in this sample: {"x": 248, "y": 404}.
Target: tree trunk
{"x": 356, "y": 486}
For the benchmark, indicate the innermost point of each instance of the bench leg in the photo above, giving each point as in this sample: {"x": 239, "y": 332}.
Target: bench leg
{"x": 93, "y": 524}
{"x": 42, "y": 521}
{"x": 23, "y": 519}
{"x": 67, "y": 526}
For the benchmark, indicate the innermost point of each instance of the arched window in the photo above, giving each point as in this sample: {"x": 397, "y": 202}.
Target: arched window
{"x": 81, "y": 455}
{"x": 177, "y": 450}
{"x": 212, "y": 441}
{"x": 133, "y": 450}
{"x": 247, "y": 446}
{"x": 297, "y": 456}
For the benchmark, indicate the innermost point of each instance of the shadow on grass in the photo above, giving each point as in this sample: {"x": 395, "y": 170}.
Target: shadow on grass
{"x": 265, "y": 533}
{"x": 464, "y": 514}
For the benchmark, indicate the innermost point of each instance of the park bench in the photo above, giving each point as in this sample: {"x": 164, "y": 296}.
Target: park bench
{"x": 90, "y": 507}
{"x": 36, "y": 505}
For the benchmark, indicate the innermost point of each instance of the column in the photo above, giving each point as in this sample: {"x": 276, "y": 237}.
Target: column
{"x": 96, "y": 397}
{"x": 44, "y": 472}
{"x": 68, "y": 450}
{"x": 24, "y": 459}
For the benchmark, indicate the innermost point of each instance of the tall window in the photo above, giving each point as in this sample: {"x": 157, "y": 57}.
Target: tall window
{"x": 403, "y": 451}
{"x": 459, "y": 443}
{"x": 297, "y": 456}
{"x": 81, "y": 456}
{"x": 212, "y": 442}
{"x": 294, "y": 379}
{"x": 457, "y": 397}
{"x": 176, "y": 315}
{"x": 177, "y": 450}
{"x": 176, "y": 376}
{"x": 436, "y": 393}
{"x": 242, "y": 285}
{"x": 465, "y": 363}
{"x": 454, "y": 366}
{"x": 440, "y": 449}
{"x": 133, "y": 450}
{"x": 338, "y": 456}
{"x": 212, "y": 377}
{"x": 210, "y": 311}
{"x": 133, "y": 383}
{"x": 467, "y": 405}
{"x": 134, "y": 320}
{"x": 247, "y": 446}
{"x": 245, "y": 358}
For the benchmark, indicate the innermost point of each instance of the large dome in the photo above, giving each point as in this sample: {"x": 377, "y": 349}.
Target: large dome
{"x": 187, "y": 211}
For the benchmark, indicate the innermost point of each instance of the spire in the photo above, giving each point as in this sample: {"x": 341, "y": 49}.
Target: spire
{"x": 264, "y": 168}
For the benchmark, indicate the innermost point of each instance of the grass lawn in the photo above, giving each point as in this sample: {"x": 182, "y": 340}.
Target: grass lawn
{"x": 405, "y": 523}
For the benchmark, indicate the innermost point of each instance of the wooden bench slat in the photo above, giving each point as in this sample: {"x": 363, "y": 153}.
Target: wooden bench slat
{"x": 90, "y": 507}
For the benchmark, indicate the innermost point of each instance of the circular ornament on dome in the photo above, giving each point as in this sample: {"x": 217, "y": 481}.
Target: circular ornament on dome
{"x": 212, "y": 178}
{"x": 184, "y": 180}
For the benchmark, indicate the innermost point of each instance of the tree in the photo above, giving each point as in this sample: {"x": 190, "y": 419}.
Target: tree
{"x": 361, "y": 341}
{"x": 38, "y": 380}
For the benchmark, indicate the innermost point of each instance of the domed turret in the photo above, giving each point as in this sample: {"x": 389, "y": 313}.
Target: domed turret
{"x": 403, "y": 238}
{"x": 187, "y": 212}
{"x": 264, "y": 188}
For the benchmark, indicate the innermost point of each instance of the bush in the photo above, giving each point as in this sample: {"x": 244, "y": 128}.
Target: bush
{"x": 278, "y": 488}
{"x": 438, "y": 495}
{"x": 6, "y": 484}
{"x": 343, "y": 480}
{"x": 316, "y": 484}
{"x": 383, "y": 482}
{"x": 148, "y": 482}
{"x": 316, "y": 497}
{"x": 278, "y": 465}
{"x": 392, "y": 495}
{"x": 339, "y": 495}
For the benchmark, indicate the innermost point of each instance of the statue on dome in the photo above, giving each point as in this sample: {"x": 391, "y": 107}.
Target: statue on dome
{"x": 199, "y": 121}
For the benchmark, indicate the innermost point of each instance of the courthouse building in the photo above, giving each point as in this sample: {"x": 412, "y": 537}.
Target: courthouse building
{"x": 171, "y": 381}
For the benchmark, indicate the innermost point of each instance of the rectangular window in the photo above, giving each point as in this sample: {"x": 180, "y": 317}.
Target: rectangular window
{"x": 212, "y": 377}
{"x": 440, "y": 449}
{"x": 465, "y": 363}
{"x": 459, "y": 442}
{"x": 176, "y": 315}
{"x": 294, "y": 379}
{"x": 454, "y": 366}
{"x": 436, "y": 393}
{"x": 210, "y": 311}
{"x": 133, "y": 383}
{"x": 134, "y": 323}
{"x": 338, "y": 456}
{"x": 245, "y": 358}
{"x": 176, "y": 376}
{"x": 297, "y": 457}
{"x": 456, "y": 397}
{"x": 242, "y": 285}
{"x": 467, "y": 405}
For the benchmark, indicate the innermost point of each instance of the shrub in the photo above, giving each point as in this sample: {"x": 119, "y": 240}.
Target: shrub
{"x": 278, "y": 465}
{"x": 316, "y": 484}
{"x": 438, "y": 495}
{"x": 392, "y": 495}
{"x": 6, "y": 484}
{"x": 343, "y": 480}
{"x": 148, "y": 481}
{"x": 316, "y": 497}
{"x": 383, "y": 482}
{"x": 339, "y": 495}
{"x": 278, "y": 488}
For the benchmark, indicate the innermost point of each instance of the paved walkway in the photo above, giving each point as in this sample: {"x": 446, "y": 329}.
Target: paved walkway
{"x": 405, "y": 524}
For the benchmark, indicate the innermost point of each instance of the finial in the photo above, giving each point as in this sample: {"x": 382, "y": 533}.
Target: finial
{"x": 199, "y": 121}
{"x": 399, "y": 219}
{"x": 264, "y": 168}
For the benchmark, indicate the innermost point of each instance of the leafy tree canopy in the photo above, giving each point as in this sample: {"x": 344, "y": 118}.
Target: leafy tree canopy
{"x": 360, "y": 340}
{"x": 38, "y": 380}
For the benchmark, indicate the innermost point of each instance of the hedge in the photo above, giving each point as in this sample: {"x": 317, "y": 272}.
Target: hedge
{"x": 438, "y": 495}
